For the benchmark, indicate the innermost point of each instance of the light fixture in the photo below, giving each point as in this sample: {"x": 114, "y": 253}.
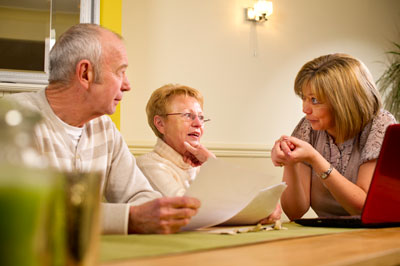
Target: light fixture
{"x": 260, "y": 11}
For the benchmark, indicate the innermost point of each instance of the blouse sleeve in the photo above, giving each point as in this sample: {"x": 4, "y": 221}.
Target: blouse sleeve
{"x": 303, "y": 130}
{"x": 373, "y": 140}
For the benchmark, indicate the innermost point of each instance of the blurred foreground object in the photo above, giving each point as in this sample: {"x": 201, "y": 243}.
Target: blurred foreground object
{"x": 48, "y": 217}
{"x": 25, "y": 191}
{"x": 82, "y": 218}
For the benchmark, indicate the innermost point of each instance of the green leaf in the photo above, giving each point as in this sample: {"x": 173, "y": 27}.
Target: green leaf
{"x": 389, "y": 83}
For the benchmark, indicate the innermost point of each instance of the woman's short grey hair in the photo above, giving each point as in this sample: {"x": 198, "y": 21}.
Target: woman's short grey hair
{"x": 79, "y": 42}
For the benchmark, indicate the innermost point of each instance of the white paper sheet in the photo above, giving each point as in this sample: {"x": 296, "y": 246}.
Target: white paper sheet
{"x": 260, "y": 207}
{"x": 224, "y": 190}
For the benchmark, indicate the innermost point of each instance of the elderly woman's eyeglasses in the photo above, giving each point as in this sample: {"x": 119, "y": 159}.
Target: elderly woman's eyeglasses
{"x": 191, "y": 117}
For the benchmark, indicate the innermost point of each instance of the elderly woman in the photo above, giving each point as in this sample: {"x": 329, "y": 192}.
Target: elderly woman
{"x": 175, "y": 114}
{"x": 330, "y": 158}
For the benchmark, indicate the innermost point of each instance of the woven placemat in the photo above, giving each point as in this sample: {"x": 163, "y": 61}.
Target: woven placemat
{"x": 121, "y": 247}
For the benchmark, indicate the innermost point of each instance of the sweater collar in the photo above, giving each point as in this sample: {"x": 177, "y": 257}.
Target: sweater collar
{"x": 167, "y": 152}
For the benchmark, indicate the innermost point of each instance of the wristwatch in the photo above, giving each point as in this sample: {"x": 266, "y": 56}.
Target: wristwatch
{"x": 325, "y": 174}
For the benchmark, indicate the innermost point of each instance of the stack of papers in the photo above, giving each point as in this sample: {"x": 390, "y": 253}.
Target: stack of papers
{"x": 231, "y": 195}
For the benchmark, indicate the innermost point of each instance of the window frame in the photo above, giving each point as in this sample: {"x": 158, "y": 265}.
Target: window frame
{"x": 89, "y": 13}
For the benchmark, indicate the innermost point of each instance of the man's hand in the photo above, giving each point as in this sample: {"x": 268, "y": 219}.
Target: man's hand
{"x": 196, "y": 155}
{"x": 162, "y": 215}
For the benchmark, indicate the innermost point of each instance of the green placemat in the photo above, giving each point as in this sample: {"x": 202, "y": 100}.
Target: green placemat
{"x": 118, "y": 247}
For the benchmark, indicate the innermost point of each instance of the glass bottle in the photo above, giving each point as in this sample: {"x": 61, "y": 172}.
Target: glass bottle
{"x": 26, "y": 190}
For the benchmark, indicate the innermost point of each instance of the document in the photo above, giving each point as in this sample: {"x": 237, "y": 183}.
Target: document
{"x": 260, "y": 207}
{"x": 225, "y": 190}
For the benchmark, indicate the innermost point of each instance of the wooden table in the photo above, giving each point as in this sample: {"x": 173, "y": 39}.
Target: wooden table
{"x": 365, "y": 247}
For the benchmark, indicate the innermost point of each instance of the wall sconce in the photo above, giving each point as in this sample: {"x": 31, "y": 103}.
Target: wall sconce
{"x": 260, "y": 11}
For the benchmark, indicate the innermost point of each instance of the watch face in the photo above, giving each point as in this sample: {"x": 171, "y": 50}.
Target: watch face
{"x": 327, "y": 173}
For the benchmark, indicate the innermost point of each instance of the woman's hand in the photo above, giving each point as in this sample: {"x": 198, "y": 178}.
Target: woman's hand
{"x": 291, "y": 150}
{"x": 280, "y": 151}
{"x": 302, "y": 151}
{"x": 274, "y": 216}
{"x": 196, "y": 155}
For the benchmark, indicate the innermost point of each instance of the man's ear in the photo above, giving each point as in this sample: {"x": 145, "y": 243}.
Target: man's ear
{"x": 84, "y": 73}
{"x": 159, "y": 123}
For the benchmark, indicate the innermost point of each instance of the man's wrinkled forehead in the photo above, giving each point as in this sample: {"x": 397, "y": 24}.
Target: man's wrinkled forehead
{"x": 113, "y": 47}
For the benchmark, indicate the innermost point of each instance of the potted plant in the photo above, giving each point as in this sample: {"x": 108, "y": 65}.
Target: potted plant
{"x": 389, "y": 83}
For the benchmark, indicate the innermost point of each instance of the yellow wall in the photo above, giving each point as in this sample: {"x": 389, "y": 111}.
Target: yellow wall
{"x": 110, "y": 17}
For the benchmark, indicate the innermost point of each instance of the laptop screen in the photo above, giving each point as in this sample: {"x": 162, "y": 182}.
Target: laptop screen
{"x": 383, "y": 200}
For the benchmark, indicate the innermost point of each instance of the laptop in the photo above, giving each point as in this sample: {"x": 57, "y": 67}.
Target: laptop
{"x": 382, "y": 205}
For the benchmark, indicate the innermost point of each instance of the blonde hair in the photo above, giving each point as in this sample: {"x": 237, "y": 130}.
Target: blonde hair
{"x": 159, "y": 100}
{"x": 347, "y": 86}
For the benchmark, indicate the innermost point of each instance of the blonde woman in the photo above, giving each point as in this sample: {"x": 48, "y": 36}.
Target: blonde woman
{"x": 330, "y": 158}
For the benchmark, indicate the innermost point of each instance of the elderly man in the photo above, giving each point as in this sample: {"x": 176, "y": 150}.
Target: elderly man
{"x": 87, "y": 80}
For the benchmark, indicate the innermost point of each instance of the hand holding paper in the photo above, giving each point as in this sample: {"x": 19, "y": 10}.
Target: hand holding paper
{"x": 225, "y": 190}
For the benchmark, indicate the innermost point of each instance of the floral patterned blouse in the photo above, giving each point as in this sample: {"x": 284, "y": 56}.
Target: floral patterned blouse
{"x": 345, "y": 157}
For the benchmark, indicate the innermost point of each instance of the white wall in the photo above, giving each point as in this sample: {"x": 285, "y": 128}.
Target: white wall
{"x": 208, "y": 45}
{"x": 245, "y": 71}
